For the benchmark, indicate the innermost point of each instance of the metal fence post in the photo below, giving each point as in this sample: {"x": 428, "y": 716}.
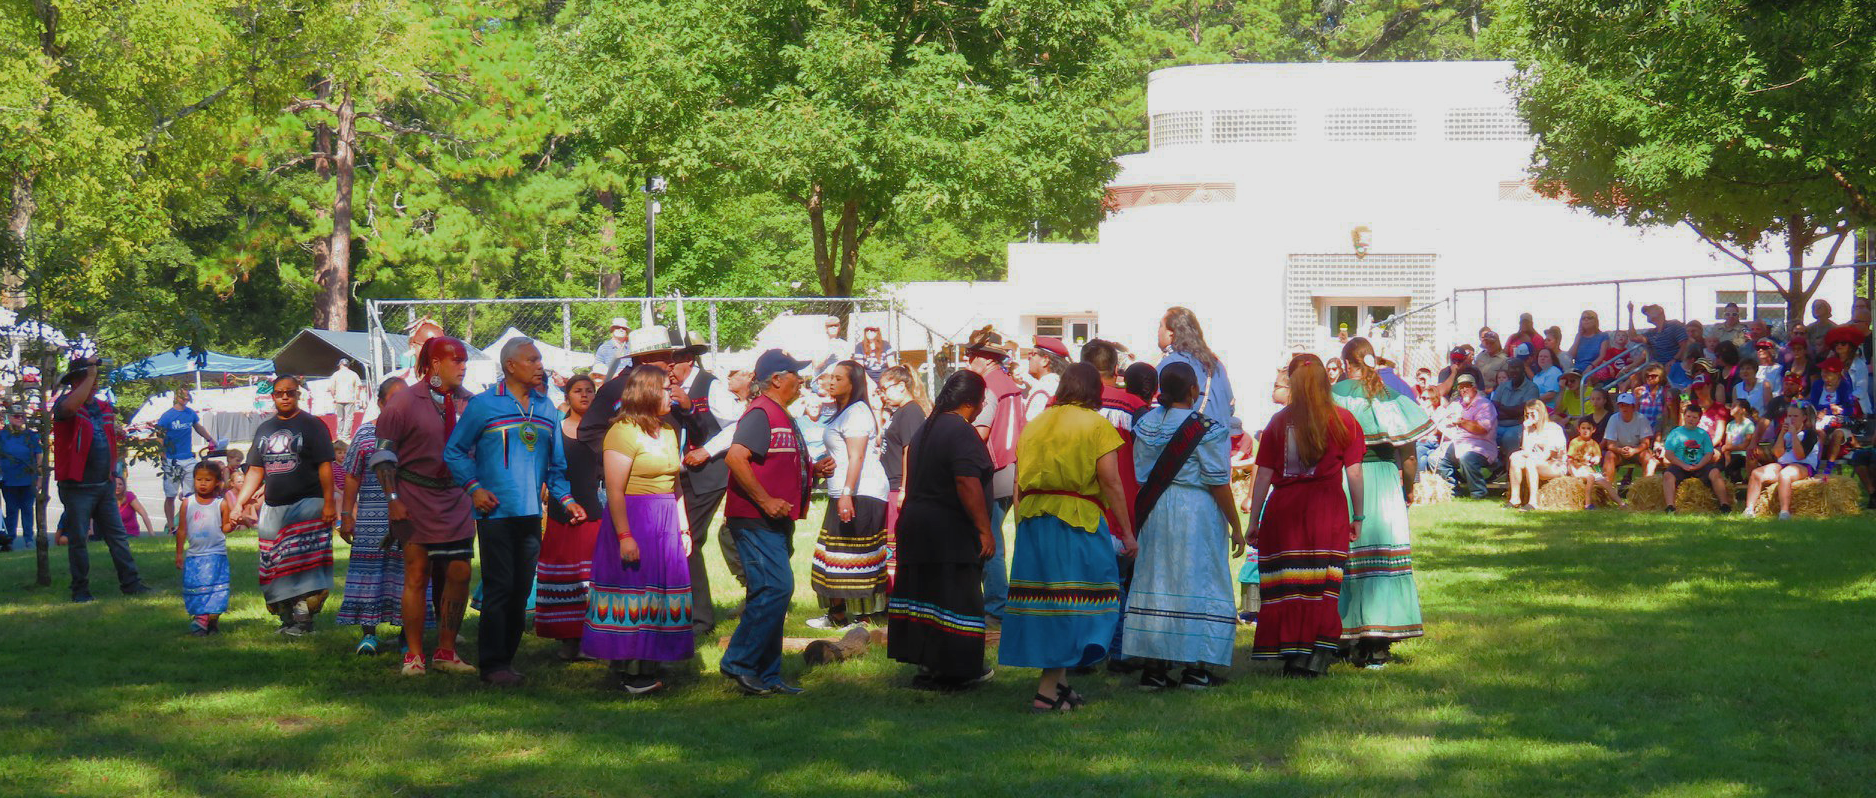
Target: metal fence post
{"x": 1684, "y": 315}
{"x": 713, "y": 327}
{"x": 566, "y": 326}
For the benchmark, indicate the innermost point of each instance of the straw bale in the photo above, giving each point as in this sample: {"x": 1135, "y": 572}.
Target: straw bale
{"x": 1816, "y": 497}
{"x": 1695, "y": 496}
{"x": 1431, "y": 488}
{"x": 1563, "y": 493}
{"x": 1645, "y": 495}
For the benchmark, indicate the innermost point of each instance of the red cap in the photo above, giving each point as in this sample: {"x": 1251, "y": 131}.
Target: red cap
{"x": 1831, "y": 364}
{"x": 1052, "y": 345}
{"x": 1766, "y": 343}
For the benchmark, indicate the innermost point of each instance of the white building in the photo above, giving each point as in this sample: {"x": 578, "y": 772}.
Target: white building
{"x": 1262, "y": 179}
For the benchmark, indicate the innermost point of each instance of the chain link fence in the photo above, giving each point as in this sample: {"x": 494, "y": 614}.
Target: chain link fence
{"x": 572, "y": 329}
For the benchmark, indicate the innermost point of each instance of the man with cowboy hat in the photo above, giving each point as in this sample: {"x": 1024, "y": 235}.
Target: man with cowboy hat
{"x": 85, "y": 443}
{"x": 618, "y": 340}
{"x": 1000, "y": 424}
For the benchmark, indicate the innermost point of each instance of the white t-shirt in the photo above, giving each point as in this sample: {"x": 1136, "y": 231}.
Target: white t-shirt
{"x": 345, "y": 387}
{"x": 857, "y": 422}
{"x": 1627, "y": 433}
{"x": 1546, "y": 442}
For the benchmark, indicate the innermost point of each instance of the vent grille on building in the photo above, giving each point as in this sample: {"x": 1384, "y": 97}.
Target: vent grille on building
{"x": 1177, "y": 127}
{"x": 1308, "y": 276}
{"x": 1369, "y": 124}
{"x": 1485, "y": 124}
{"x": 1231, "y": 127}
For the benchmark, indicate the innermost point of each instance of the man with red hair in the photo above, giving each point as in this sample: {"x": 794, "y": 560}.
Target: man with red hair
{"x": 430, "y": 513}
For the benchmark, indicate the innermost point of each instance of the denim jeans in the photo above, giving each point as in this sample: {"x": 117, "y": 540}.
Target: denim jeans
{"x": 1472, "y": 469}
{"x": 510, "y": 549}
{"x": 1425, "y": 450}
{"x": 88, "y": 505}
{"x": 19, "y": 507}
{"x": 1510, "y": 439}
{"x": 997, "y": 570}
{"x": 755, "y": 649}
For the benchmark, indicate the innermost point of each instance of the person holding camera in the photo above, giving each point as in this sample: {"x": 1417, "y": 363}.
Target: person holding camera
{"x": 85, "y": 442}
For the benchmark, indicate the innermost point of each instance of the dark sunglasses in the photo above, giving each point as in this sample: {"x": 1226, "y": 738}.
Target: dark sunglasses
{"x": 288, "y": 394}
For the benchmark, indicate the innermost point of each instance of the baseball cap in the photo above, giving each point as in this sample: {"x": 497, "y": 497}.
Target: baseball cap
{"x": 1765, "y": 343}
{"x": 1465, "y": 379}
{"x": 619, "y": 323}
{"x": 1831, "y": 364}
{"x": 1626, "y": 398}
{"x": 776, "y": 361}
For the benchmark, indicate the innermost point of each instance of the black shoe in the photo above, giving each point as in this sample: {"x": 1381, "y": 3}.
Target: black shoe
{"x": 81, "y": 598}
{"x": 138, "y": 589}
{"x": 1670, "y": 510}
{"x": 1198, "y": 679}
{"x": 748, "y": 686}
{"x": 8, "y": 546}
{"x": 1155, "y": 680}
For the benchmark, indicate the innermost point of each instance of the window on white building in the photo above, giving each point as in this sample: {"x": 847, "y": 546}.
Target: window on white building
{"x": 1770, "y": 308}
{"x": 1073, "y": 330}
{"x": 1347, "y": 318}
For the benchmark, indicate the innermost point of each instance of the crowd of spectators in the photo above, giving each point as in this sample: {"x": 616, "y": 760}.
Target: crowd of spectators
{"x": 1729, "y": 403}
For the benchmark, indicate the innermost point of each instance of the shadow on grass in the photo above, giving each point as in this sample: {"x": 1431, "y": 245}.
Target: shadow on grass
{"x": 1567, "y": 654}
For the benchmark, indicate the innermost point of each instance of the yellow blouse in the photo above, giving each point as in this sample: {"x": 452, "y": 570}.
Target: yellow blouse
{"x": 654, "y": 458}
{"x": 1058, "y": 452}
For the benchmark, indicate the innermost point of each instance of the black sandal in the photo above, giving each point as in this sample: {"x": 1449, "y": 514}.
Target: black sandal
{"x": 1057, "y": 704}
{"x": 1068, "y": 695}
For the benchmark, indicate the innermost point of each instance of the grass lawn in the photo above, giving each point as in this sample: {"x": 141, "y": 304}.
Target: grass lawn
{"x": 1566, "y": 654}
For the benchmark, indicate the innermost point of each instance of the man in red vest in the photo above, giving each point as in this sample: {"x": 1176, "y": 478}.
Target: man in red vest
{"x": 85, "y": 441}
{"x": 1000, "y": 422}
{"x": 769, "y": 481}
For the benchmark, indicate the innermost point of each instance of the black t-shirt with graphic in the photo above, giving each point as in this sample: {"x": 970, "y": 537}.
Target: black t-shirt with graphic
{"x": 290, "y": 450}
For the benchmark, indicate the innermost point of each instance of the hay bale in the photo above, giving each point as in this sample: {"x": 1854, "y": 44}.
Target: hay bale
{"x": 1816, "y": 497}
{"x": 1563, "y": 493}
{"x": 1432, "y": 489}
{"x": 1645, "y": 495}
{"x": 1695, "y": 496}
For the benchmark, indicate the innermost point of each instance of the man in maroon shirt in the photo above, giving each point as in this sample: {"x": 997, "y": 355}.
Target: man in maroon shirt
{"x": 430, "y": 513}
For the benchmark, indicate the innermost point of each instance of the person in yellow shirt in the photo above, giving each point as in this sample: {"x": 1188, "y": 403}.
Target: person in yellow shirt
{"x": 1064, "y": 600}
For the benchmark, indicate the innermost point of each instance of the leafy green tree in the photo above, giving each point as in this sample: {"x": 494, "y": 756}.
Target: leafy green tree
{"x": 1743, "y": 121}
{"x": 853, "y": 113}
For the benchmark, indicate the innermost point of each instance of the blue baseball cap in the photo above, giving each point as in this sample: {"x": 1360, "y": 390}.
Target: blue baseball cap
{"x": 776, "y": 361}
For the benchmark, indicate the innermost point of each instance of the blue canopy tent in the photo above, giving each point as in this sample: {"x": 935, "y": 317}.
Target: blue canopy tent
{"x": 183, "y": 362}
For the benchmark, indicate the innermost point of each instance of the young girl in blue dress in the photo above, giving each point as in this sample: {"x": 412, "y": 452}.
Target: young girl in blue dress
{"x": 202, "y": 550}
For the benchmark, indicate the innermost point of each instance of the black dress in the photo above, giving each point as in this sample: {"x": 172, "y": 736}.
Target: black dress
{"x": 935, "y": 614}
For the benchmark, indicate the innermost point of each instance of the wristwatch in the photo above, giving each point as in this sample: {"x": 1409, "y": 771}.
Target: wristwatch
{"x": 392, "y": 496}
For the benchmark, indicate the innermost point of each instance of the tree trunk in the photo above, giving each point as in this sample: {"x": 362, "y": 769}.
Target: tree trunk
{"x": 322, "y": 166}
{"x": 19, "y": 223}
{"x": 610, "y": 280}
{"x": 823, "y": 260}
{"x": 335, "y": 281}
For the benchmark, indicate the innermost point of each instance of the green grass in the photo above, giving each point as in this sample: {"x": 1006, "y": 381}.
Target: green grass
{"x": 1567, "y": 654}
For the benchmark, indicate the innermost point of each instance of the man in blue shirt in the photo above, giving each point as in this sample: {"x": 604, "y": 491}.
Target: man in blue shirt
{"x": 178, "y": 464}
{"x": 1509, "y": 398}
{"x": 503, "y": 449}
{"x": 19, "y": 476}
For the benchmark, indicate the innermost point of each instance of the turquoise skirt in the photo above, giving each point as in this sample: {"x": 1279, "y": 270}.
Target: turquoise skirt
{"x": 1064, "y": 602}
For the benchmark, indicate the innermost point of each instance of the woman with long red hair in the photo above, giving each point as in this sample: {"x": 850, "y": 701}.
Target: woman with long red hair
{"x": 1300, "y": 521}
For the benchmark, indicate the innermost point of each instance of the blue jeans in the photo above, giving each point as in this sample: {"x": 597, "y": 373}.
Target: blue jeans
{"x": 997, "y": 569}
{"x": 86, "y": 505}
{"x": 1510, "y": 439}
{"x": 511, "y": 547}
{"x": 19, "y": 507}
{"x": 1425, "y": 449}
{"x": 755, "y": 649}
{"x": 1472, "y": 469}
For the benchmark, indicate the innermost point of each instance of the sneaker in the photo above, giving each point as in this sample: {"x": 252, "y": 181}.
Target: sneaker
{"x": 138, "y": 589}
{"x": 291, "y": 629}
{"x": 982, "y": 678}
{"x": 198, "y": 629}
{"x": 81, "y": 598}
{"x": 783, "y": 688}
{"x": 1247, "y": 618}
{"x": 1154, "y": 680}
{"x": 367, "y": 646}
{"x": 445, "y": 660}
{"x": 827, "y": 622}
{"x": 413, "y": 665}
{"x": 1197, "y": 679}
{"x": 1670, "y": 509}
{"x": 1784, "y": 516}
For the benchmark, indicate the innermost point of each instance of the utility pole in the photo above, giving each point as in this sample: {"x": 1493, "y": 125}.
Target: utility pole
{"x": 654, "y": 188}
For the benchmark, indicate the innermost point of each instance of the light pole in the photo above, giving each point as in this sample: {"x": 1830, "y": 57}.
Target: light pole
{"x": 654, "y": 188}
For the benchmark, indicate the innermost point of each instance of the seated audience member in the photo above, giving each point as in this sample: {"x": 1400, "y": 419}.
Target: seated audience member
{"x": 1794, "y": 452}
{"x": 1546, "y": 375}
{"x": 1540, "y": 458}
{"x": 1739, "y": 442}
{"x": 1628, "y": 438}
{"x": 1469, "y": 427}
{"x": 1509, "y": 399}
{"x": 1690, "y": 455}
